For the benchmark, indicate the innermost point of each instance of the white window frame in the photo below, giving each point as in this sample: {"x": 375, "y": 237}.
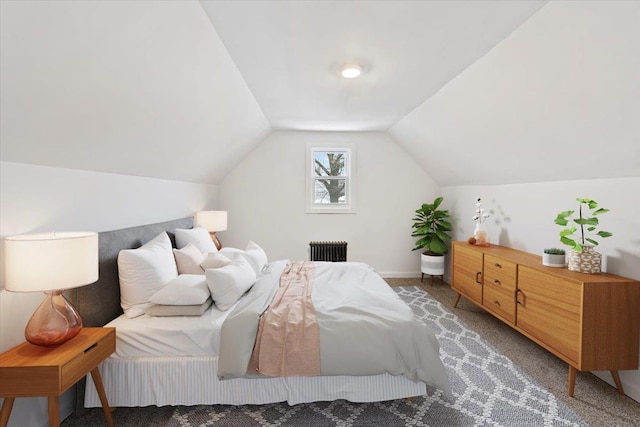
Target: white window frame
{"x": 350, "y": 178}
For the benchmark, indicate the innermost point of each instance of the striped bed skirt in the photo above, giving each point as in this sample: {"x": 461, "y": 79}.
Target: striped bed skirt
{"x": 162, "y": 381}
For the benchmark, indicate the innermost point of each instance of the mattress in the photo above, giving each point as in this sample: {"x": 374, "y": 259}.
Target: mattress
{"x": 148, "y": 336}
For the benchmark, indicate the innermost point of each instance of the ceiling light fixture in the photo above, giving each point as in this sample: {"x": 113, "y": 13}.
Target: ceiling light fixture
{"x": 350, "y": 70}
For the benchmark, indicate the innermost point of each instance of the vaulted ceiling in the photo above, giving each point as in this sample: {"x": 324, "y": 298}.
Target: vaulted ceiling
{"x": 488, "y": 92}
{"x": 289, "y": 53}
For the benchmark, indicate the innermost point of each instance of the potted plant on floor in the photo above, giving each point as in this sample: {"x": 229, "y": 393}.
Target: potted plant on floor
{"x": 431, "y": 226}
{"x": 553, "y": 257}
{"x": 582, "y": 257}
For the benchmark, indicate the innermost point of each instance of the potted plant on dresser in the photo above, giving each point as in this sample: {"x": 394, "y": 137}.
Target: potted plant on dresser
{"x": 580, "y": 232}
{"x": 431, "y": 227}
{"x": 553, "y": 257}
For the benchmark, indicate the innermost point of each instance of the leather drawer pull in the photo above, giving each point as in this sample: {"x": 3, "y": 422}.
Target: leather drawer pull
{"x": 497, "y": 282}
{"x": 515, "y": 296}
{"x": 497, "y": 265}
{"x": 478, "y": 277}
{"x": 496, "y": 302}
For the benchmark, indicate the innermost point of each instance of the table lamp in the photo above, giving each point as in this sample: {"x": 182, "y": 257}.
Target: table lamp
{"x": 51, "y": 263}
{"x": 212, "y": 221}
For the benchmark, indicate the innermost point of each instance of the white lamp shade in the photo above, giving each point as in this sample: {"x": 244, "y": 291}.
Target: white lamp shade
{"x": 212, "y": 221}
{"x": 50, "y": 261}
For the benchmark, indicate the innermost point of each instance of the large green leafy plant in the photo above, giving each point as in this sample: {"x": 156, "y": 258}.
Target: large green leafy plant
{"x": 431, "y": 226}
{"x": 586, "y": 221}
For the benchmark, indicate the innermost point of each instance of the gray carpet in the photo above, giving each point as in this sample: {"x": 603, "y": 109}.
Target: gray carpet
{"x": 487, "y": 389}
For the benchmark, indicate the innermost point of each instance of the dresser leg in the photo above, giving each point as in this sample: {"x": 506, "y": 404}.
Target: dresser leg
{"x": 97, "y": 380}
{"x": 7, "y": 405}
{"x": 54, "y": 411}
{"x": 455, "y": 303}
{"x": 572, "y": 379}
{"x": 616, "y": 379}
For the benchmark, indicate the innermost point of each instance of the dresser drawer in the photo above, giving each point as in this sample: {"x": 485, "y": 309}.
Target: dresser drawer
{"x": 500, "y": 273}
{"x": 500, "y": 302}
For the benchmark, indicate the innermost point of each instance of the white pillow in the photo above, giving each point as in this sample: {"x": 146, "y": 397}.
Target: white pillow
{"x": 188, "y": 259}
{"x": 186, "y": 289}
{"x": 257, "y": 257}
{"x": 143, "y": 272}
{"x": 254, "y": 254}
{"x": 179, "y": 310}
{"x": 227, "y": 284}
{"x": 199, "y": 236}
{"x": 231, "y": 252}
{"x": 214, "y": 260}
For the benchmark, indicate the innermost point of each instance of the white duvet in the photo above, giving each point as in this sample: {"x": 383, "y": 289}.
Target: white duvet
{"x": 365, "y": 328}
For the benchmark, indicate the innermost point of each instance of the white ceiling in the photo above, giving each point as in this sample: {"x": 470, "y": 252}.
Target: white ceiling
{"x": 289, "y": 53}
{"x": 140, "y": 88}
{"x": 477, "y": 92}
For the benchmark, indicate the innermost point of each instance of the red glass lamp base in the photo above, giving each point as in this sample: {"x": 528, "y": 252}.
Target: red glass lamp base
{"x": 54, "y": 322}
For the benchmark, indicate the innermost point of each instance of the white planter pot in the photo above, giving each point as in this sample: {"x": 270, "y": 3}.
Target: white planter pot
{"x": 552, "y": 260}
{"x": 432, "y": 264}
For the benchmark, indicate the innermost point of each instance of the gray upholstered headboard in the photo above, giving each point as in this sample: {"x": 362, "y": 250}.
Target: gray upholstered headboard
{"x": 99, "y": 303}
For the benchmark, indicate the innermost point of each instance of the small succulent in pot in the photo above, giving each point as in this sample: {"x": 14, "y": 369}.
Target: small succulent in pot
{"x": 554, "y": 251}
{"x": 553, "y": 257}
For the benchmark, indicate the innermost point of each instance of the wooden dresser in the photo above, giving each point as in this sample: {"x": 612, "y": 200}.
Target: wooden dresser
{"x": 591, "y": 321}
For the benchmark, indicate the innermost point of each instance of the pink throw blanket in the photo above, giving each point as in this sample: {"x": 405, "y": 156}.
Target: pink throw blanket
{"x": 288, "y": 340}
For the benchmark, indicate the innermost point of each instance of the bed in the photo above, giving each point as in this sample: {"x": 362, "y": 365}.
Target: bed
{"x": 175, "y": 360}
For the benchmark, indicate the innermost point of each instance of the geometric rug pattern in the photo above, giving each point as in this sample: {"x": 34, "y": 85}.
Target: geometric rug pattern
{"x": 487, "y": 390}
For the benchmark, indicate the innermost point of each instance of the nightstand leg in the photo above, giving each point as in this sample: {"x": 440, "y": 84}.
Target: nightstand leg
{"x": 7, "y": 405}
{"x": 97, "y": 380}
{"x": 54, "y": 411}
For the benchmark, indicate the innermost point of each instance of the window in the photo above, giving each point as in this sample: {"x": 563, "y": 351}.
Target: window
{"x": 330, "y": 183}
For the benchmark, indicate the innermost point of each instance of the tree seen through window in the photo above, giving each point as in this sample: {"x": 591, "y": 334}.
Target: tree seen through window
{"x": 330, "y": 177}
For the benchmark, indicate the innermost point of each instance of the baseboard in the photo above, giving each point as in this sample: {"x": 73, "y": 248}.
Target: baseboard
{"x": 401, "y": 275}
{"x": 631, "y": 390}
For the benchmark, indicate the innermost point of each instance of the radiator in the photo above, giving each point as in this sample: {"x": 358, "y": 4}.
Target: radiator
{"x": 328, "y": 251}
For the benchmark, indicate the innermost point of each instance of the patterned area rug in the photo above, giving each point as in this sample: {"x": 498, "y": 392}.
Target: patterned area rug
{"x": 487, "y": 390}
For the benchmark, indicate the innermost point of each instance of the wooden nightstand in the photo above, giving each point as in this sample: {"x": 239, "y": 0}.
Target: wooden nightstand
{"x": 30, "y": 371}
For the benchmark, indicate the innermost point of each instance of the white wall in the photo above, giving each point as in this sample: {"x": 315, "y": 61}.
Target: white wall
{"x": 523, "y": 215}
{"x": 265, "y": 198}
{"x": 39, "y": 199}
